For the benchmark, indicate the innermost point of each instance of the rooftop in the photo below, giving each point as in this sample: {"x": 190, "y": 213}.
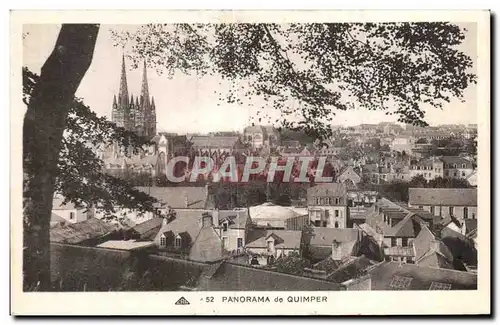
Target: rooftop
{"x": 179, "y": 197}
{"x": 395, "y": 276}
{"x": 443, "y": 196}
{"x": 328, "y": 189}
{"x": 128, "y": 245}
{"x": 79, "y": 232}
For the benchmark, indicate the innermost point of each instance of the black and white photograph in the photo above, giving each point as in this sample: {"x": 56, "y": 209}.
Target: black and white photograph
{"x": 281, "y": 161}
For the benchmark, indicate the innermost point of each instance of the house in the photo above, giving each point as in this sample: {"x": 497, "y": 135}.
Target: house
{"x": 457, "y": 167}
{"x": 425, "y": 249}
{"x": 258, "y": 136}
{"x": 271, "y": 216}
{"x": 320, "y": 243}
{"x": 396, "y": 276}
{"x": 178, "y": 234}
{"x": 460, "y": 203}
{"x": 90, "y": 232}
{"x": 67, "y": 212}
{"x": 348, "y": 175}
{"x": 208, "y": 245}
{"x": 427, "y": 168}
{"x": 397, "y": 223}
{"x": 327, "y": 205}
{"x": 233, "y": 228}
{"x": 273, "y": 244}
{"x": 403, "y": 143}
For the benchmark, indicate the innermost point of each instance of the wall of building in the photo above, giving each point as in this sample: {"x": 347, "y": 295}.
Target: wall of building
{"x": 74, "y": 215}
{"x": 232, "y": 236}
{"x": 444, "y": 211}
{"x": 327, "y": 213}
{"x": 74, "y": 268}
{"x": 296, "y": 223}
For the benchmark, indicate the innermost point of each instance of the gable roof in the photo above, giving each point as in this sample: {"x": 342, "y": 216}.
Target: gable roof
{"x": 328, "y": 189}
{"x": 148, "y": 230}
{"x": 207, "y": 246}
{"x": 456, "y": 160}
{"x": 176, "y": 196}
{"x": 187, "y": 221}
{"x": 408, "y": 227}
{"x": 288, "y": 239}
{"x": 421, "y": 277}
{"x": 322, "y": 236}
{"x": 443, "y": 196}
{"x": 76, "y": 233}
{"x": 237, "y": 218}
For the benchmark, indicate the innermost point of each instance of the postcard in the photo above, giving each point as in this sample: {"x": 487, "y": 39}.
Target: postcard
{"x": 250, "y": 162}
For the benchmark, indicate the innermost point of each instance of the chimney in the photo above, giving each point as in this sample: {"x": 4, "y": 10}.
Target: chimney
{"x": 206, "y": 220}
{"x": 336, "y": 251}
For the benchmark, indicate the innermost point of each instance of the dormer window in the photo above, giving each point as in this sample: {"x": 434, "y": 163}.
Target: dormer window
{"x": 163, "y": 240}
{"x": 224, "y": 226}
{"x": 178, "y": 242}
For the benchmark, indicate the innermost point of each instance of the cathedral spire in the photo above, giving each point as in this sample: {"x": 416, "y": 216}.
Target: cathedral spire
{"x": 123, "y": 94}
{"x": 145, "y": 88}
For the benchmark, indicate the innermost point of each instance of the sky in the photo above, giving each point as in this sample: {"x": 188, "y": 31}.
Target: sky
{"x": 187, "y": 104}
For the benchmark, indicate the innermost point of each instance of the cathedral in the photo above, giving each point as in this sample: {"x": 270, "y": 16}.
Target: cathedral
{"x": 135, "y": 114}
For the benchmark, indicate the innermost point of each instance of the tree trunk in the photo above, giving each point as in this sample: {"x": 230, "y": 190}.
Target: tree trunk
{"x": 43, "y": 129}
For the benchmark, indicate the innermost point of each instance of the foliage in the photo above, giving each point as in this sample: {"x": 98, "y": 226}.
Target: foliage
{"x": 306, "y": 71}
{"x": 291, "y": 264}
{"x": 80, "y": 176}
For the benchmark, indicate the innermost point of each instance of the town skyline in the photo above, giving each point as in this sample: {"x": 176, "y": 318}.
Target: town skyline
{"x": 198, "y": 110}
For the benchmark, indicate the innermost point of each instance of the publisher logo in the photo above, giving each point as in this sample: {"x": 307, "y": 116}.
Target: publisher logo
{"x": 182, "y": 301}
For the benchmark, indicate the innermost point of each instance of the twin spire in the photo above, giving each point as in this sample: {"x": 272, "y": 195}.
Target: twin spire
{"x": 123, "y": 98}
{"x": 139, "y": 115}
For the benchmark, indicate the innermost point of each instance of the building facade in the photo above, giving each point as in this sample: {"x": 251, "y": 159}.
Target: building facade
{"x": 327, "y": 205}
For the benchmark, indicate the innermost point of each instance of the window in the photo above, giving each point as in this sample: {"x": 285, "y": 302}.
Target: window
{"x": 404, "y": 242}
{"x": 393, "y": 242}
{"x": 178, "y": 242}
{"x": 473, "y": 215}
{"x": 163, "y": 241}
{"x": 420, "y": 206}
{"x": 454, "y": 165}
{"x": 400, "y": 282}
{"x": 337, "y": 201}
{"x": 432, "y": 209}
{"x": 240, "y": 242}
{"x": 463, "y": 165}
{"x": 71, "y": 215}
{"x": 466, "y": 213}
{"x": 336, "y": 213}
{"x": 463, "y": 174}
{"x": 317, "y": 223}
{"x": 224, "y": 226}
{"x": 451, "y": 211}
{"x": 336, "y": 224}
{"x": 455, "y": 174}
{"x": 440, "y": 286}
